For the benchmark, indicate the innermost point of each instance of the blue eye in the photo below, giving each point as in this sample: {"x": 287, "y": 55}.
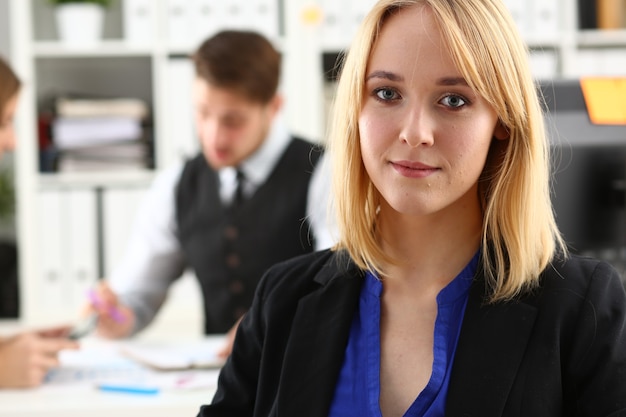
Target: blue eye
{"x": 453, "y": 101}
{"x": 386, "y": 94}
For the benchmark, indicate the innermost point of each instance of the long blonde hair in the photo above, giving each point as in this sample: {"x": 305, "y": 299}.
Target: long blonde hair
{"x": 520, "y": 234}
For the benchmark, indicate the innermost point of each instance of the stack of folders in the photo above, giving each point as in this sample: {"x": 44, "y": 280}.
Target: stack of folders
{"x": 101, "y": 134}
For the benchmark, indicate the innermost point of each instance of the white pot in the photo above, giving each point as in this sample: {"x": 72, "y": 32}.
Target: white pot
{"x": 79, "y": 23}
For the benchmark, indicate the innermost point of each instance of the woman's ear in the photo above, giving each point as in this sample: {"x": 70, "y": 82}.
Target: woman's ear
{"x": 501, "y": 132}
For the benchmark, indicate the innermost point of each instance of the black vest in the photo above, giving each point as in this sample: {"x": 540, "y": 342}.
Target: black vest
{"x": 231, "y": 249}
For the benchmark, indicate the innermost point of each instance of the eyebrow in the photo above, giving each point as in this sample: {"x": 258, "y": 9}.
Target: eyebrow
{"x": 452, "y": 81}
{"x": 446, "y": 81}
{"x": 385, "y": 75}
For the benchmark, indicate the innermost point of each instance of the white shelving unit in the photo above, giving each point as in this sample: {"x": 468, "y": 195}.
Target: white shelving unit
{"x": 142, "y": 53}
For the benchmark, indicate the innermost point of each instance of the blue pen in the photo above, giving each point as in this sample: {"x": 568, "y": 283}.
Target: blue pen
{"x": 128, "y": 389}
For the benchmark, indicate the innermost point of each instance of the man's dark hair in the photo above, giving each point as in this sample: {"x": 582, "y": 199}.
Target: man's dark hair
{"x": 240, "y": 60}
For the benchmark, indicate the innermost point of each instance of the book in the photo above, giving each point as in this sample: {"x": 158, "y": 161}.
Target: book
{"x": 587, "y": 14}
{"x": 610, "y": 14}
{"x": 72, "y": 132}
{"x": 121, "y": 156}
{"x": 94, "y": 107}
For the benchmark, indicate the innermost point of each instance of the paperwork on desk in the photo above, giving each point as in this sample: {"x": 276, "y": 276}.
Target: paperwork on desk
{"x": 107, "y": 362}
{"x": 200, "y": 355}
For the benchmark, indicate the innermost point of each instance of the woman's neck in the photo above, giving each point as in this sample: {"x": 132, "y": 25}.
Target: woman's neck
{"x": 429, "y": 250}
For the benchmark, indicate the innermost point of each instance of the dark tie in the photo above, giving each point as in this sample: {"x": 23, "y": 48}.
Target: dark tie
{"x": 239, "y": 197}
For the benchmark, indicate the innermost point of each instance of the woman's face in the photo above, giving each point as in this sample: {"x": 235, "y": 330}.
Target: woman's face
{"x": 424, "y": 133}
{"x": 7, "y": 132}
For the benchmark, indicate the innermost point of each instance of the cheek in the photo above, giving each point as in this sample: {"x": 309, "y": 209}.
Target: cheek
{"x": 374, "y": 134}
{"x": 471, "y": 157}
{"x": 367, "y": 143}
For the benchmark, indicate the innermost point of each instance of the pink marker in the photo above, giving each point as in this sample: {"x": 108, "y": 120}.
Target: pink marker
{"x": 114, "y": 312}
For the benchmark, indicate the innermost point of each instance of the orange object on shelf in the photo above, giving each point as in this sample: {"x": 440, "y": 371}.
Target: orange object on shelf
{"x": 611, "y": 14}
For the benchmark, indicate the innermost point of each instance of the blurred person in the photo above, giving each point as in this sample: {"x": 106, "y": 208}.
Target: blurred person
{"x": 197, "y": 216}
{"x": 26, "y": 357}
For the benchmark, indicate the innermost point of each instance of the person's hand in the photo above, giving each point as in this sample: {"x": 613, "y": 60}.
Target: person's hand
{"x": 26, "y": 358}
{"x": 115, "y": 320}
{"x": 227, "y": 347}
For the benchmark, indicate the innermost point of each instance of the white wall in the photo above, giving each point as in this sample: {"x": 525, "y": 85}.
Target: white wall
{"x": 4, "y": 28}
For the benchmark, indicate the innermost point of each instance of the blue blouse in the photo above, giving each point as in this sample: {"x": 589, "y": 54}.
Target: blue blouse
{"x": 357, "y": 391}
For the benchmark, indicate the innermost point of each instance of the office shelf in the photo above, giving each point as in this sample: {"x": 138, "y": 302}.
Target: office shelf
{"x": 152, "y": 53}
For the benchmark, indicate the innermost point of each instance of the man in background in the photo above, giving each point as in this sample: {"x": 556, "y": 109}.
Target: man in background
{"x": 245, "y": 202}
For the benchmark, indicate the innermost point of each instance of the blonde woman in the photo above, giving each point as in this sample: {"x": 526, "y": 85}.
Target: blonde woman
{"x": 25, "y": 358}
{"x": 450, "y": 292}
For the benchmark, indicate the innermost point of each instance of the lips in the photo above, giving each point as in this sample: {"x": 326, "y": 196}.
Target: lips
{"x": 412, "y": 169}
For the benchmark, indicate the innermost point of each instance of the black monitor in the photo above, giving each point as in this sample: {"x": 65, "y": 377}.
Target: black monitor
{"x": 589, "y": 172}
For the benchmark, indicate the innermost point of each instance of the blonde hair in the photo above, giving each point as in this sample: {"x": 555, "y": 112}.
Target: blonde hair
{"x": 520, "y": 236}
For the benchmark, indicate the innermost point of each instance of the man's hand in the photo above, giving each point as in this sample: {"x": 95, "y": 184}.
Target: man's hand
{"x": 115, "y": 320}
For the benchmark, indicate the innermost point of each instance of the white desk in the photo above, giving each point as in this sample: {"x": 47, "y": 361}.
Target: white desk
{"x": 93, "y": 403}
{"x": 80, "y": 399}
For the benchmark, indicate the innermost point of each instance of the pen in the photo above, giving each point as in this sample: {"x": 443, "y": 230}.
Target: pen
{"x": 128, "y": 389}
{"x": 84, "y": 327}
{"x": 114, "y": 312}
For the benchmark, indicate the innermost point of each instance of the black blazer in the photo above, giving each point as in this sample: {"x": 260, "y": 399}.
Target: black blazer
{"x": 558, "y": 351}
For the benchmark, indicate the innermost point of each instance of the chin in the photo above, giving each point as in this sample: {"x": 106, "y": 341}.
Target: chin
{"x": 217, "y": 162}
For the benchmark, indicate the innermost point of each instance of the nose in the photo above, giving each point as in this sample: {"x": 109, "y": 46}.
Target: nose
{"x": 211, "y": 132}
{"x": 417, "y": 128}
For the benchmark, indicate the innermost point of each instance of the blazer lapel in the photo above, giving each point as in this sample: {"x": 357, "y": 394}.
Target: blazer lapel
{"x": 491, "y": 346}
{"x": 316, "y": 347}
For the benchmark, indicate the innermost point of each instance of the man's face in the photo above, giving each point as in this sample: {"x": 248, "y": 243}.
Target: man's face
{"x": 230, "y": 126}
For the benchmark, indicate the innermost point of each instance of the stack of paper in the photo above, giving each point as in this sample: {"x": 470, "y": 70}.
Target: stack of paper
{"x": 101, "y": 134}
{"x": 75, "y": 132}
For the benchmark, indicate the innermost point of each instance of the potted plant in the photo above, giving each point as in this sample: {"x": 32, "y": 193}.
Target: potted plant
{"x": 80, "y": 22}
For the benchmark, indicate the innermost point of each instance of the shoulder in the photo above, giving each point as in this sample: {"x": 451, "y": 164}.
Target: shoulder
{"x": 306, "y": 273}
{"x": 311, "y": 150}
{"x": 194, "y": 174}
{"x": 194, "y": 165}
{"x": 578, "y": 273}
{"x": 581, "y": 284}
{"x": 164, "y": 184}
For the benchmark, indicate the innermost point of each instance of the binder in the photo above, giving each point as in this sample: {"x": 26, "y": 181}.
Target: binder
{"x": 587, "y": 14}
{"x": 356, "y": 13}
{"x": 333, "y": 31}
{"x": 179, "y": 23}
{"x": 68, "y": 248}
{"x": 120, "y": 206}
{"x": 521, "y": 13}
{"x": 544, "y": 18}
{"x": 262, "y": 16}
{"x": 53, "y": 291}
{"x": 610, "y": 14}
{"x": 181, "y": 140}
{"x": 139, "y": 20}
{"x": 233, "y": 15}
{"x": 207, "y": 18}
{"x": 82, "y": 243}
